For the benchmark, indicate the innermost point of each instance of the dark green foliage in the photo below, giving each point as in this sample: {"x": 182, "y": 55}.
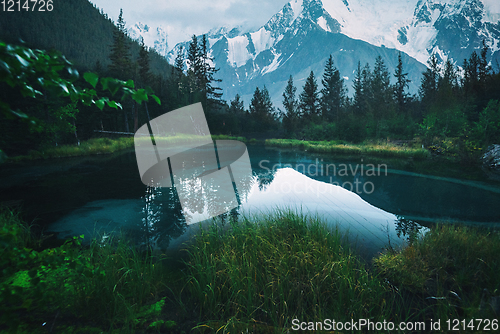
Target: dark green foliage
{"x": 448, "y": 109}
{"x": 39, "y": 75}
{"x": 237, "y": 106}
{"x": 109, "y": 283}
{"x": 291, "y": 118}
{"x": 333, "y": 94}
{"x": 261, "y": 109}
{"x": 309, "y": 99}
{"x": 119, "y": 56}
{"x": 401, "y": 85}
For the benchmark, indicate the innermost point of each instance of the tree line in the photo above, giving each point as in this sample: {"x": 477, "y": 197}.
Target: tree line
{"x": 456, "y": 108}
{"x": 453, "y": 102}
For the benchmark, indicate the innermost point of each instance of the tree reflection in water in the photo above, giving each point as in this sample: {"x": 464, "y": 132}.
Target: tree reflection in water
{"x": 163, "y": 218}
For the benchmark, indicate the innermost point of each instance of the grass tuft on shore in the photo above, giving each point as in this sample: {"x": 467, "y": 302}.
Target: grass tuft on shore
{"x": 341, "y": 147}
{"x": 283, "y": 267}
{"x": 450, "y": 265}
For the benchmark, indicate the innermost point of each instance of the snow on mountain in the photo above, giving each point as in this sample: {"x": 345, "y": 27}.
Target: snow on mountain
{"x": 419, "y": 27}
{"x": 301, "y": 36}
{"x": 153, "y": 38}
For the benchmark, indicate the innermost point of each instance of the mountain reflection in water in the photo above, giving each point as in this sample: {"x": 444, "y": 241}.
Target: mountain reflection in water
{"x": 157, "y": 218}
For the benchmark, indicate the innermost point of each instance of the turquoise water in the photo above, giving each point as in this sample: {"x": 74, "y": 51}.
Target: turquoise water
{"x": 373, "y": 202}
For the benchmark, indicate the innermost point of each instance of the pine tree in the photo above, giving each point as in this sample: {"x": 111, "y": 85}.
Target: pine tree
{"x": 120, "y": 66}
{"x": 145, "y": 75}
{"x": 428, "y": 86}
{"x": 358, "y": 90}
{"x": 333, "y": 93}
{"x": 178, "y": 79}
{"x": 381, "y": 93}
{"x": 210, "y": 94}
{"x": 120, "y": 54}
{"x": 261, "y": 108}
{"x": 194, "y": 70}
{"x": 309, "y": 100}
{"x": 402, "y": 81}
{"x": 290, "y": 103}
{"x": 237, "y": 106}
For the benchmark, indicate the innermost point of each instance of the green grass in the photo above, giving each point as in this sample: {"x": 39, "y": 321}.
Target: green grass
{"x": 449, "y": 266}
{"x": 104, "y": 146}
{"x": 247, "y": 275}
{"x": 264, "y": 274}
{"x": 341, "y": 147}
{"x": 89, "y": 147}
{"x": 109, "y": 285}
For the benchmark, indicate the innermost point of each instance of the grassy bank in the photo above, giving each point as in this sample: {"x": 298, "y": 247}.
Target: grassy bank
{"x": 447, "y": 272}
{"x": 262, "y": 275}
{"x": 339, "y": 147}
{"x": 239, "y": 276}
{"x": 101, "y": 146}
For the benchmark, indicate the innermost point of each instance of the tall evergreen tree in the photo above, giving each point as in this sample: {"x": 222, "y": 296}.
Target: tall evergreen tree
{"x": 290, "y": 103}
{"x": 120, "y": 66}
{"x": 178, "y": 79}
{"x": 333, "y": 93}
{"x": 366, "y": 98}
{"x": 145, "y": 75}
{"x": 446, "y": 95}
{"x": 261, "y": 108}
{"x": 358, "y": 90}
{"x": 120, "y": 53}
{"x": 401, "y": 85}
{"x": 211, "y": 95}
{"x": 237, "y": 106}
{"x": 380, "y": 89}
{"x": 428, "y": 86}
{"x": 194, "y": 70}
{"x": 309, "y": 99}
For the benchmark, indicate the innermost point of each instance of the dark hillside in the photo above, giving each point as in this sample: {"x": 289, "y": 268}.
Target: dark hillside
{"x": 75, "y": 28}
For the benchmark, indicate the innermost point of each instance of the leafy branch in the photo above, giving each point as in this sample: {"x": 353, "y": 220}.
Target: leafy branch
{"x": 34, "y": 71}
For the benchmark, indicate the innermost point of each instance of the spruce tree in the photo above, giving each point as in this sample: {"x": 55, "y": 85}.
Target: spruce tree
{"x": 381, "y": 93}
{"x": 210, "y": 94}
{"x": 261, "y": 108}
{"x": 428, "y": 86}
{"x": 290, "y": 103}
{"x": 194, "y": 70}
{"x": 309, "y": 100}
{"x": 145, "y": 75}
{"x": 237, "y": 106}
{"x": 333, "y": 93}
{"x": 401, "y": 85}
{"x": 120, "y": 53}
{"x": 358, "y": 91}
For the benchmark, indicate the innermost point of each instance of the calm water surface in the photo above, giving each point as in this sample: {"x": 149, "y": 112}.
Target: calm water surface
{"x": 373, "y": 202}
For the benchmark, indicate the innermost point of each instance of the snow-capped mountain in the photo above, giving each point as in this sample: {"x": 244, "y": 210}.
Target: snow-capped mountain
{"x": 421, "y": 27}
{"x": 301, "y": 36}
{"x": 153, "y": 38}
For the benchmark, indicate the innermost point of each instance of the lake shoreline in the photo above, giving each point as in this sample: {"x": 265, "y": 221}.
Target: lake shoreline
{"x": 247, "y": 276}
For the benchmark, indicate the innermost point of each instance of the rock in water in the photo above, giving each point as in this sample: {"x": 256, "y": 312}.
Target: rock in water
{"x": 491, "y": 159}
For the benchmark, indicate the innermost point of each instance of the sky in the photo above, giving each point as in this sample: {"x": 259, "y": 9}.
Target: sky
{"x": 182, "y": 19}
